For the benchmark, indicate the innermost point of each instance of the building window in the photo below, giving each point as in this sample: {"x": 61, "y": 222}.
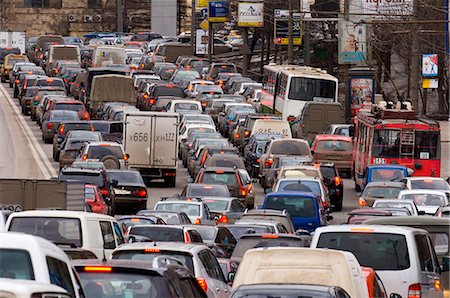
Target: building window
{"x": 94, "y": 3}
{"x": 43, "y": 3}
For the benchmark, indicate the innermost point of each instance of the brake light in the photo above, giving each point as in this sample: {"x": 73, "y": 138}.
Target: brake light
{"x": 86, "y": 116}
{"x": 229, "y": 122}
{"x": 268, "y": 162}
{"x": 152, "y": 250}
{"x": 49, "y": 125}
{"x": 125, "y": 157}
{"x": 362, "y": 230}
{"x": 152, "y": 101}
{"x": 142, "y": 65}
{"x": 85, "y": 158}
{"x": 56, "y": 71}
{"x": 77, "y": 85}
{"x": 337, "y": 180}
{"x": 437, "y": 284}
{"x": 202, "y": 283}
{"x": 61, "y": 129}
{"x": 145, "y": 96}
{"x": 236, "y": 136}
{"x": 36, "y": 97}
{"x": 97, "y": 269}
{"x": 291, "y": 118}
{"x": 140, "y": 193}
{"x": 17, "y": 82}
{"x": 5, "y": 71}
{"x": 362, "y": 202}
{"x": 223, "y": 219}
{"x": 198, "y": 221}
{"x": 219, "y": 171}
{"x": 414, "y": 291}
{"x": 243, "y": 192}
{"x": 247, "y": 133}
{"x": 49, "y": 80}
{"x": 258, "y": 160}
{"x": 269, "y": 236}
{"x": 187, "y": 238}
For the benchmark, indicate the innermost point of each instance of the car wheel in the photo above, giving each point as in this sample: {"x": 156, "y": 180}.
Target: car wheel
{"x": 57, "y": 156}
{"x": 111, "y": 162}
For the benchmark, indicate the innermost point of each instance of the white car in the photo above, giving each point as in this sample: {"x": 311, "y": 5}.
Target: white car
{"x": 396, "y": 203}
{"x": 138, "y": 78}
{"x": 197, "y": 211}
{"x": 433, "y": 183}
{"x": 196, "y": 118}
{"x": 200, "y": 127}
{"x": 191, "y": 88}
{"x": 184, "y": 106}
{"x": 426, "y": 200}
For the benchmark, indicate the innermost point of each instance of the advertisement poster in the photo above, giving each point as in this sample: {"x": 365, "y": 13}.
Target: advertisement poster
{"x": 361, "y": 94}
{"x": 352, "y": 42}
{"x": 430, "y": 65}
{"x": 250, "y": 14}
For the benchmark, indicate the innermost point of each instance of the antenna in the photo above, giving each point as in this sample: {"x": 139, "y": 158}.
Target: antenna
{"x": 104, "y": 256}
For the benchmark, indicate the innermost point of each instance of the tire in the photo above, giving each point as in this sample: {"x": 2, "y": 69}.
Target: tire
{"x": 47, "y": 140}
{"x": 56, "y": 158}
{"x": 23, "y": 110}
{"x": 111, "y": 162}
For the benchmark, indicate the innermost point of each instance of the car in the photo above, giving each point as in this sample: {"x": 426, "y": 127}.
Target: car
{"x": 164, "y": 233}
{"x": 111, "y": 131}
{"x": 165, "y": 277}
{"x": 218, "y": 235}
{"x": 253, "y": 151}
{"x": 51, "y": 121}
{"x": 130, "y": 192}
{"x": 276, "y": 163}
{"x": 242, "y": 229}
{"x": 184, "y": 106}
{"x": 278, "y": 216}
{"x": 198, "y": 258}
{"x": 197, "y": 211}
{"x": 195, "y": 118}
{"x": 304, "y": 184}
{"x": 224, "y": 160}
{"x": 312, "y": 171}
{"x": 128, "y": 221}
{"x": 380, "y": 190}
{"x": 203, "y": 153}
{"x": 95, "y": 176}
{"x": 305, "y": 209}
{"x": 157, "y": 90}
{"x": 238, "y": 182}
{"x": 111, "y": 154}
{"x": 358, "y": 216}
{"x": 225, "y": 209}
{"x": 288, "y": 290}
{"x": 63, "y": 129}
{"x": 396, "y": 203}
{"x": 71, "y": 146}
{"x": 426, "y": 200}
{"x": 336, "y": 149}
{"x": 188, "y": 129}
{"x": 170, "y": 217}
{"x": 432, "y": 183}
{"x": 205, "y": 190}
{"x": 411, "y": 254}
{"x": 340, "y": 129}
{"x": 94, "y": 200}
{"x": 8, "y": 64}
{"x": 27, "y": 98}
{"x": 376, "y": 173}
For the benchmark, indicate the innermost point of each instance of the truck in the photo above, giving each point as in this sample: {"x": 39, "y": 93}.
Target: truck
{"x": 69, "y": 53}
{"x": 13, "y": 39}
{"x": 29, "y": 194}
{"x": 151, "y": 140}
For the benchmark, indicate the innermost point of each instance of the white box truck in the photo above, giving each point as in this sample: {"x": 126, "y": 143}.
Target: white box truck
{"x": 151, "y": 140}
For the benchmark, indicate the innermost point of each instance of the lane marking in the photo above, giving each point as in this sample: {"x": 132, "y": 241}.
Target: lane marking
{"x": 36, "y": 150}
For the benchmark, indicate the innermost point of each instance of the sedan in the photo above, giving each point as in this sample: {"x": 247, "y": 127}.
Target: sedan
{"x": 131, "y": 192}
{"x": 51, "y": 121}
{"x": 94, "y": 200}
{"x": 170, "y": 217}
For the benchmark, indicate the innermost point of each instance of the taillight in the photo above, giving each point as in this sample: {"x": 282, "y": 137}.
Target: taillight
{"x": 85, "y": 156}
{"x": 187, "y": 238}
{"x": 49, "y": 125}
{"x": 249, "y": 188}
{"x": 86, "y": 116}
{"x": 152, "y": 101}
{"x": 268, "y": 162}
{"x": 337, "y": 180}
{"x": 223, "y": 219}
{"x": 247, "y": 133}
{"x": 104, "y": 191}
{"x": 36, "y": 97}
{"x": 258, "y": 160}
{"x": 145, "y": 96}
{"x": 202, "y": 283}
{"x": 362, "y": 202}
{"x": 243, "y": 191}
{"x": 140, "y": 193}
{"x": 414, "y": 291}
{"x": 236, "y": 136}
{"x": 229, "y": 122}
{"x": 17, "y": 81}
{"x": 198, "y": 221}
{"x": 61, "y": 129}
{"x": 290, "y": 118}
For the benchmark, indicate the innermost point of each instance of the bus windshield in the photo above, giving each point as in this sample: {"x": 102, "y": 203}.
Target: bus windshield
{"x": 308, "y": 89}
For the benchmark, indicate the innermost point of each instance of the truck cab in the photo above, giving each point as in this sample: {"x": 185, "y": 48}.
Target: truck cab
{"x": 375, "y": 173}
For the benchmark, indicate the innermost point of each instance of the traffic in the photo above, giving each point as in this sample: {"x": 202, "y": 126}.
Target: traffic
{"x": 151, "y": 173}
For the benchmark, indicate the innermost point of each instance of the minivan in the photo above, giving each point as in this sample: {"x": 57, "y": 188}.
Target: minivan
{"x": 403, "y": 257}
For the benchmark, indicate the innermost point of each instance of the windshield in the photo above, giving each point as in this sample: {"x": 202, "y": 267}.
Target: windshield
{"x": 381, "y": 192}
{"x": 380, "y": 251}
{"x": 189, "y": 209}
{"x": 59, "y": 230}
{"x": 159, "y": 233}
{"x": 16, "y": 264}
{"x": 295, "y": 206}
{"x": 387, "y": 174}
{"x": 229, "y": 179}
{"x": 289, "y": 148}
{"x": 149, "y": 256}
{"x": 334, "y": 145}
{"x": 308, "y": 89}
{"x": 429, "y": 184}
{"x": 425, "y": 199}
{"x": 124, "y": 284}
{"x": 305, "y": 186}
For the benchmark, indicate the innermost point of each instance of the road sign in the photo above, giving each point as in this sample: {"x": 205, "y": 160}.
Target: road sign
{"x": 204, "y": 25}
{"x": 430, "y": 83}
{"x": 218, "y": 11}
{"x": 251, "y": 14}
{"x": 282, "y": 35}
{"x": 430, "y": 65}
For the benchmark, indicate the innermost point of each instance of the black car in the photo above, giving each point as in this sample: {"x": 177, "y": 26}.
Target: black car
{"x": 253, "y": 151}
{"x": 334, "y": 184}
{"x": 130, "y": 191}
{"x": 167, "y": 277}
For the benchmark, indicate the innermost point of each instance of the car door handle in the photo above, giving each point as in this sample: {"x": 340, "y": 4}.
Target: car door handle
{"x": 218, "y": 289}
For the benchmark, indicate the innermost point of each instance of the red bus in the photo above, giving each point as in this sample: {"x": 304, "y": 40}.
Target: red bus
{"x": 396, "y": 137}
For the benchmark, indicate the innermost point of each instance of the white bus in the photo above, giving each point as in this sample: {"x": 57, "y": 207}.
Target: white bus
{"x": 287, "y": 88}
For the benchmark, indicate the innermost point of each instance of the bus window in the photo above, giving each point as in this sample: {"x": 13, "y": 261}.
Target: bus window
{"x": 386, "y": 143}
{"x": 426, "y": 145}
{"x": 312, "y": 89}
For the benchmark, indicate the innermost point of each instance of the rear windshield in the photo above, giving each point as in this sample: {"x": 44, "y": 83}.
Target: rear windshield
{"x": 304, "y": 186}
{"x": 247, "y": 243}
{"x": 332, "y": 145}
{"x": 65, "y": 54}
{"x": 159, "y": 233}
{"x": 135, "y": 221}
{"x": 16, "y": 264}
{"x": 189, "y": 209}
{"x": 209, "y": 88}
{"x": 223, "y": 68}
{"x": 98, "y": 152}
{"x": 387, "y": 174}
{"x": 169, "y": 218}
{"x": 381, "y": 192}
{"x": 225, "y": 162}
{"x": 217, "y": 205}
{"x": 425, "y": 199}
{"x": 380, "y": 251}
{"x": 59, "y": 230}
{"x": 207, "y": 191}
{"x": 296, "y": 206}
{"x": 290, "y": 148}
{"x": 50, "y": 83}
{"x": 239, "y": 230}
{"x": 11, "y": 62}
{"x": 220, "y": 178}
{"x": 31, "y": 92}
{"x": 124, "y": 284}
{"x": 186, "y": 107}
{"x": 125, "y": 178}
{"x": 64, "y": 116}
{"x": 429, "y": 184}
{"x": 69, "y": 106}
{"x": 168, "y": 91}
{"x": 87, "y": 178}
{"x": 328, "y": 172}
{"x": 149, "y": 256}
{"x": 77, "y": 126}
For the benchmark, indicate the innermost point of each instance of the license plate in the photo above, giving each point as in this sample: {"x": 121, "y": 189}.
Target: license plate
{"x": 122, "y": 192}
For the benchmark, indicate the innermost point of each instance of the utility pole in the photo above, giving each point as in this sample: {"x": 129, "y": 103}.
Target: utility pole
{"x": 119, "y": 5}
{"x": 415, "y": 58}
{"x": 291, "y": 34}
{"x": 193, "y": 27}
{"x": 210, "y": 42}
{"x": 307, "y": 43}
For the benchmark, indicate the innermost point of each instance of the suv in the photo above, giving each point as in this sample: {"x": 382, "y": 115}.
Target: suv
{"x": 198, "y": 258}
{"x": 110, "y": 153}
{"x": 95, "y": 176}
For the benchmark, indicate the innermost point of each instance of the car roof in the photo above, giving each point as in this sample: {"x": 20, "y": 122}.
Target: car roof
{"x": 171, "y": 246}
{"x": 270, "y": 286}
{"x": 100, "y": 143}
{"x": 367, "y": 228}
{"x": 423, "y": 191}
{"x": 424, "y": 178}
{"x": 123, "y": 264}
{"x": 386, "y": 166}
{"x": 386, "y": 184}
{"x": 300, "y": 179}
{"x": 61, "y": 213}
{"x": 290, "y": 194}
{"x": 222, "y": 169}
{"x": 322, "y": 137}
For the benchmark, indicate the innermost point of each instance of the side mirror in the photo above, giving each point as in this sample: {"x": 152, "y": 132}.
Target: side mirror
{"x": 190, "y": 180}
{"x": 231, "y": 276}
{"x": 445, "y": 267}
{"x": 395, "y": 295}
{"x": 410, "y": 172}
{"x": 301, "y": 232}
{"x": 114, "y": 183}
{"x": 255, "y": 180}
{"x": 222, "y": 114}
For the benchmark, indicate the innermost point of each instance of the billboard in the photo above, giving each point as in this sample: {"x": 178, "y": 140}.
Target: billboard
{"x": 282, "y": 32}
{"x": 201, "y": 42}
{"x": 382, "y": 8}
{"x": 352, "y": 42}
{"x": 430, "y": 65}
{"x": 164, "y": 17}
{"x": 11, "y": 39}
{"x": 250, "y": 14}
{"x": 320, "y": 8}
{"x": 218, "y": 11}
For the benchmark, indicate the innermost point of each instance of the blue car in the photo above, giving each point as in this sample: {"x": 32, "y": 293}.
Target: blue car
{"x": 376, "y": 173}
{"x": 305, "y": 209}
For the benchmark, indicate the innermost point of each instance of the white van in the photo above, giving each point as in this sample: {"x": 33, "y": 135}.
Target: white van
{"x": 403, "y": 257}
{"x": 29, "y": 258}
{"x": 98, "y": 233}
{"x": 272, "y": 127}
{"x": 105, "y": 55}
{"x": 12, "y": 288}
{"x": 289, "y": 265}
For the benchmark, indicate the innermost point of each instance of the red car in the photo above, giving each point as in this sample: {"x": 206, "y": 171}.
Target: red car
{"x": 94, "y": 199}
{"x": 73, "y": 105}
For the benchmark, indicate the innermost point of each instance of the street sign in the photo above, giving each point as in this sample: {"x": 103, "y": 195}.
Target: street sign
{"x": 218, "y": 11}
{"x": 430, "y": 65}
{"x": 250, "y": 14}
{"x": 201, "y": 42}
{"x": 284, "y": 14}
{"x": 199, "y": 4}
{"x": 430, "y": 83}
{"x": 204, "y": 25}
{"x": 281, "y": 32}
